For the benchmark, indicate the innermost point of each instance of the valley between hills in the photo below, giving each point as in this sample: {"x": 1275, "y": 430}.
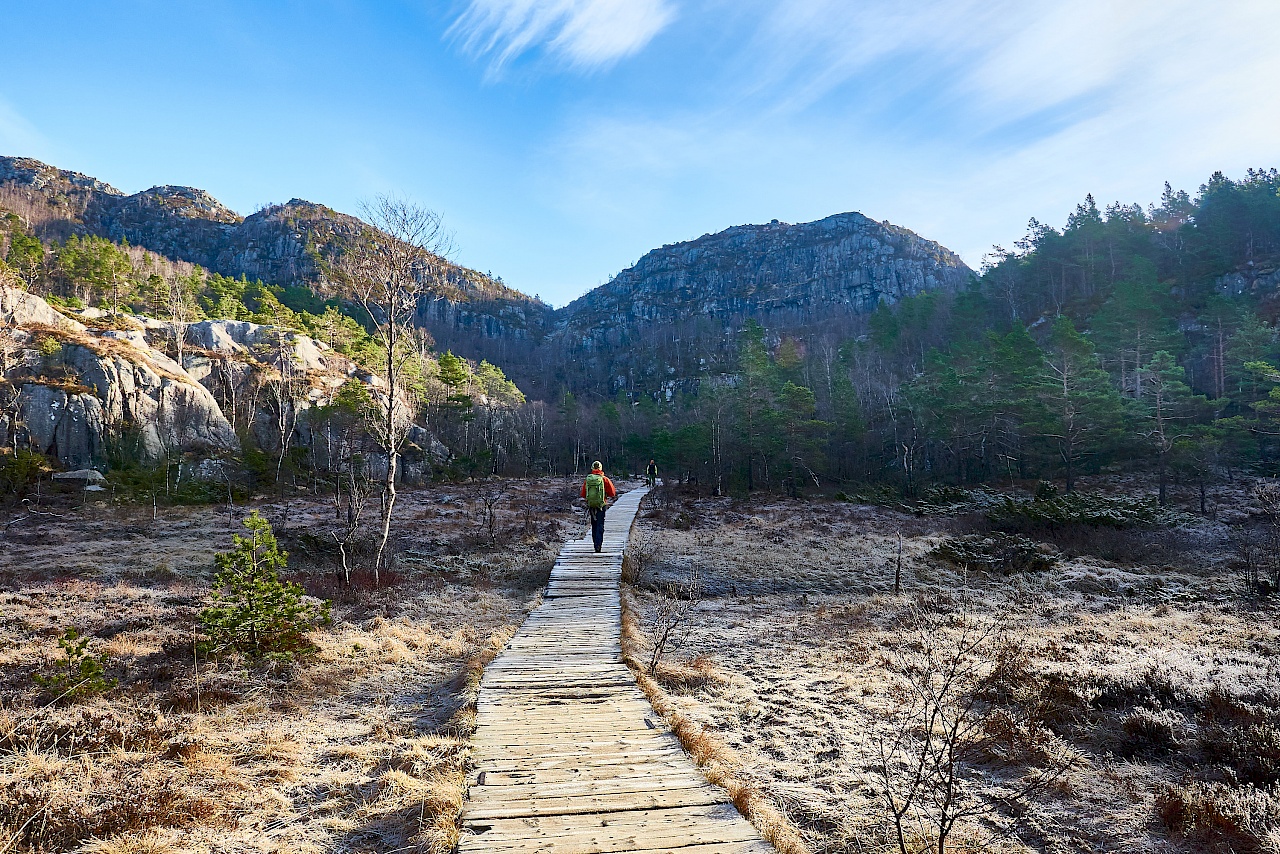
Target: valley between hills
{"x": 937, "y": 559}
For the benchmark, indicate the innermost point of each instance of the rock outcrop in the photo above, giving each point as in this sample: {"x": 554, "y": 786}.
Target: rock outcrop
{"x": 77, "y": 389}
{"x": 21, "y": 310}
{"x": 68, "y": 427}
{"x": 169, "y": 409}
{"x": 75, "y": 392}
{"x": 844, "y": 264}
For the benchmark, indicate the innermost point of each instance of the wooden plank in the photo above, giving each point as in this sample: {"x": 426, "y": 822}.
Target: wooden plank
{"x": 637, "y": 830}
{"x": 500, "y": 807}
{"x": 568, "y": 754}
{"x": 555, "y": 779}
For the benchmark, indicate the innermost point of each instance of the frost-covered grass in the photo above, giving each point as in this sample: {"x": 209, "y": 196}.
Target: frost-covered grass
{"x": 360, "y": 747}
{"x": 1140, "y": 676}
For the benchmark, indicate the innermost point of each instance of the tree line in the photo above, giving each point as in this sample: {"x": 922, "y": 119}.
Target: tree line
{"x": 1134, "y": 339}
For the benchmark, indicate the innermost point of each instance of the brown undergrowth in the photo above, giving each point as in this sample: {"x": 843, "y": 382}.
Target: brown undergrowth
{"x": 361, "y": 746}
{"x": 1148, "y": 674}
{"x": 719, "y": 762}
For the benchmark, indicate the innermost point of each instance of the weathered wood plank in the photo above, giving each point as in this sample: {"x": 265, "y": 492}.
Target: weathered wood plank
{"x": 568, "y": 754}
{"x": 635, "y": 830}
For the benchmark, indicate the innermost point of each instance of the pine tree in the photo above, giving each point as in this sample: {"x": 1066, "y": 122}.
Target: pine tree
{"x": 1170, "y": 406}
{"x": 1082, "y": 410}
{"x": 1132, "y": 325}
{"x": 254, "y": 611}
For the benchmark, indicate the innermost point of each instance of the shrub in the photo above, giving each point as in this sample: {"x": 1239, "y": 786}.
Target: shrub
{"x": 1003, "y": 553}
{"x": 1080, "y": 509}
{"x": 54, "y": 809}
{"x": 1252, "y": 751}
{"x": 1148, "y": 731}
{"x": 1045, "y": 489}
{"x": 19, "y": 471}
{"x": 97, "y": 726}
{"x": 950, "y": 501}
{"x": 1220, "y": 817}
{"x": 79, "y": 674}
{"x": 643, "y": 551}
{"x": 254, "y": 611}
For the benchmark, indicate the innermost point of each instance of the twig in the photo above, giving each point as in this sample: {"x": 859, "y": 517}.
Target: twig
{"x": 195, "y": 661}
{"x": 18, "y": 835}
{"x": 26, "y": 502}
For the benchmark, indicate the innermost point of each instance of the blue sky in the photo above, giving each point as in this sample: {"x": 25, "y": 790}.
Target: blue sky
{"x": 562, "y": 139}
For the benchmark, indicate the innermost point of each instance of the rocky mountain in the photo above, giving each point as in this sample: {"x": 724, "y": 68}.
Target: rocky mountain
{"x": 846, "y": 264}
{"x": 295, "y": 243}
{"x": 669, "y": 321}
{"x": 673, "y": 317}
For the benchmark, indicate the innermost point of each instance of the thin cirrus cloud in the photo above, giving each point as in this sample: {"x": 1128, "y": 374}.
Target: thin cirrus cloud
{"x": 585, "y": 34}
{"x": 959, "y": 118}
{"x": 17, "y": 135}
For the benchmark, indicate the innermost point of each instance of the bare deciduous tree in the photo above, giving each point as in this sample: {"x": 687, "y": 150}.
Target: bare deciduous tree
{"x": 672, "y": 617}
{"x": 350, "y": 494}
{"x": 1266, "y": 572}
{"x": 286, "y": 392}
{"x": 399, "y": 258}
{"x": 490, "y": 496}
{"x": 177, "y": 298}
{"x": 941, "y": 721}
{"x": 643, "y": 551}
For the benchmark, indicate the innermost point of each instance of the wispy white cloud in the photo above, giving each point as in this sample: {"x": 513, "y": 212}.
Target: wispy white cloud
{"x": 960, "y": 119}
{"x": 1002, "y": 60}
{"x": 586, "y": 34}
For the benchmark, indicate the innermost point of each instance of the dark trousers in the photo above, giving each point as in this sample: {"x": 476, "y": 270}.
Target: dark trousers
{"x": 597, "y": 527}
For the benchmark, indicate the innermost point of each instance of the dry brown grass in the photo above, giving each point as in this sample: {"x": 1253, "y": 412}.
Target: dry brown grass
{"x": 792, "y": 662}
{"x": 720, "y": 764}
{"x": 362, "y": 746}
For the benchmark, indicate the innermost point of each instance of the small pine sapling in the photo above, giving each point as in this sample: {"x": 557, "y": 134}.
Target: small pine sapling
{"x": 79, "y": 674}
{"x": 254, "y": 611}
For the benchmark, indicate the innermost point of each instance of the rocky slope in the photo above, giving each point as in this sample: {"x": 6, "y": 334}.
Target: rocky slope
{"x": 72, "y": 389}
{"x": 77, "y": 389}
{"x": 295, "y": 243}
{"x": 673, "y": 317}
{"x": 669, "y": 321}
{"x": 845, "y": 263}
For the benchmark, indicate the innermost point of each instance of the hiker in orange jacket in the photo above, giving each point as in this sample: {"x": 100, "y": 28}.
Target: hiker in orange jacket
{"x": 597, "y": 489}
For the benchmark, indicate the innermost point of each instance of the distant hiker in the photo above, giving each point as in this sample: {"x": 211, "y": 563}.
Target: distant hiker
{"x": 597, "y": 489}
{"x": 651, "y": 474}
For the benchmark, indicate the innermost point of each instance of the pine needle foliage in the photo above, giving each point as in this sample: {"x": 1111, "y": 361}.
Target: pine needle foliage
{"x": 79, "y": 674}
{"x": 254, "y": 611}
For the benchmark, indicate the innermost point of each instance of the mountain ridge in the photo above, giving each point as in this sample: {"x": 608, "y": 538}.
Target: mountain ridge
{"x": 792, "y": 277}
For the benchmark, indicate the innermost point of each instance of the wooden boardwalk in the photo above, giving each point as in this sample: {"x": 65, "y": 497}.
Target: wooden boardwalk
{"x": 569, "y": 755}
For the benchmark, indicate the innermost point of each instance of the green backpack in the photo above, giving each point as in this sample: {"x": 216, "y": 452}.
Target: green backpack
{"x": 595, "y": 491}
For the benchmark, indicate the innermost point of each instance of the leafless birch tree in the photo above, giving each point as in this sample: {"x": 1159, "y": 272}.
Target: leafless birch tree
{"x": 939, "y": 724}
{"x": 400, "y": 258}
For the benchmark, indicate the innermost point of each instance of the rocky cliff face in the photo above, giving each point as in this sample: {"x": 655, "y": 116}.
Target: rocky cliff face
{"x": 844, "y": 264}
{"x": 673, "y": 317}
{"x": 71, "y": 391}
{"x": 295, "y": 243}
